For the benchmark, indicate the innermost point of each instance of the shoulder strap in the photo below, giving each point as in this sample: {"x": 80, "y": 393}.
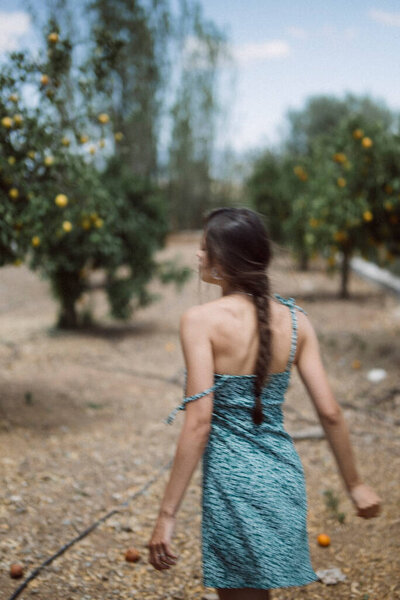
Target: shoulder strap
{"x": 187, "y": 399}
{"x": 290, "y": 302}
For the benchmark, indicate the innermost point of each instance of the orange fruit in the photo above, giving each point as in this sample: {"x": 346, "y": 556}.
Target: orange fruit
{"x": 357, "y": 134}
{"x": 67, "y": 226}
{"x": 356, "y": 364}
{"x": 132, "y": 555}
{"x": 48, "y": 161}
{"x": 13, "y": 98}
{"x": 13, "y": 193}
{"x": 7, "y": 122}
{"x": 44, "y": 80}
{"x": 368, "y": 216}
{"x": 61, "y": 200}
{"x": 53, "y": 37}
{"x": 16, "y": 571}
{"x": 103, "y": 118}
{"x": 367, "y": 142}
{"x": 65, "y": 141}
{"x": 36, "y": 240}
{"x": 341, "y": 182}
{"x": 118, "y": 136}
{"x": 323, "y": 539}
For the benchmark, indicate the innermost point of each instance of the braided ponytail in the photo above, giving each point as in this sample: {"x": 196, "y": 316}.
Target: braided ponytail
{"x": 261, "y": 297}
{"x": 237, "y": 240}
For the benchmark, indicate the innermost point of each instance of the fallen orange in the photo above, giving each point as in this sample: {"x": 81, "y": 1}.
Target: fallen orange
{"x": 323, "y": 539}
{"x": 132, "y": 555}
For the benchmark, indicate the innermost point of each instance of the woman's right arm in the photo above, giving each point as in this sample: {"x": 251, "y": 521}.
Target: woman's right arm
{"x": 314, "y": 377}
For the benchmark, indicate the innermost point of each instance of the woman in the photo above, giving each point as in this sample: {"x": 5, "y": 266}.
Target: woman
{"x": 238, "y": 351}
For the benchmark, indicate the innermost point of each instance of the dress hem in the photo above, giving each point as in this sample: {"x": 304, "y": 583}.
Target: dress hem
{"x": 259, "y": 586}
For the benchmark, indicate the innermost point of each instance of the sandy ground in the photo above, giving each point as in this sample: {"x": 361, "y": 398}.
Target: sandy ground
{"x": 81, "y": 432}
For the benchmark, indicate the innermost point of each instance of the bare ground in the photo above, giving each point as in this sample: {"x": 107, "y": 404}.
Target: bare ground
{"x": 81, "y": 431}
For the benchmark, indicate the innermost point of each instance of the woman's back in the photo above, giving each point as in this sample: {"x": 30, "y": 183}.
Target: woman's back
{"x": 233, "y": 328}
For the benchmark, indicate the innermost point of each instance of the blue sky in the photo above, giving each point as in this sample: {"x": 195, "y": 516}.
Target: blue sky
{"x": 287, "y": 50}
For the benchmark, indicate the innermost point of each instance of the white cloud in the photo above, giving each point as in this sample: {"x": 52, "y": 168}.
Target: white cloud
{"x": 263, "y": 51}
{"x": 388, "y": 18}
{"x": 297, "y": 32}
{"x": 12, "y": 26}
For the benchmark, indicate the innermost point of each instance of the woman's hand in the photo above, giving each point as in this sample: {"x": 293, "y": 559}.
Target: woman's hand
{"x": 368, "y": 504}
{"x": 160, "y": 553}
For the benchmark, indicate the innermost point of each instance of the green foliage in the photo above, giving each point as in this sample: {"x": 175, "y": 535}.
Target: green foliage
{"x": 332, "y": 503}
{"x": 335, "y": 185}
{"x": 69, "y": 203}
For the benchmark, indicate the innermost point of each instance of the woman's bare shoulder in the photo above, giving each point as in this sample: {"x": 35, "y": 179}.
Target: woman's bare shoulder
{"x": 201, "y": 314}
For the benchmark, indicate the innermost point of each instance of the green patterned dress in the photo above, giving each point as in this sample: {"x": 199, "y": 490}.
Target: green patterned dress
{"x": 254, "y": 504}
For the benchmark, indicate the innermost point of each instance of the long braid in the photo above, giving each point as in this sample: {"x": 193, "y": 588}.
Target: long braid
{"x": 261, "y": 296}
{"x": 238, "y": 243}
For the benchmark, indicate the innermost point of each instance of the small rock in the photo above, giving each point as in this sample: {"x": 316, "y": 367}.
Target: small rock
{"x": 376, "y": 375}
{"x": 331, "y": 576}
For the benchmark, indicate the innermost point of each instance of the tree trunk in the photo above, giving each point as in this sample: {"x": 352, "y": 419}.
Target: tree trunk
{"x": 68, "y": 317}
{"x": 345, "y": 272}
{"x": 303, "y": 261}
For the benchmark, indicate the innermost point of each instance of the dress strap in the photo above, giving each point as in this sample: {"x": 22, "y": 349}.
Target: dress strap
{"x": 290, "y": 302}
{"x": 187, "y": 399}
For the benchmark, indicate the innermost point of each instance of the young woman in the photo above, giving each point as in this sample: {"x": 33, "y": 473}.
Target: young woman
{"x": 239, "y": 350}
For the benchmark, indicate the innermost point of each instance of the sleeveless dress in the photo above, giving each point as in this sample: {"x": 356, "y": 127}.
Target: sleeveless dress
{"x": 254, "y": 504}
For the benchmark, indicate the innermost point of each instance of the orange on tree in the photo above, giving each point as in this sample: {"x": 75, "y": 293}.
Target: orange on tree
{"x": 98, "y": 223}
{"x": 67, "y": 226}
{"x": 367, "y": 142}
{"x": 13, "y": 193}
{"x": 341, "y": 182}
{"x": 356, "y": 364}
{"x": 44, "y": 80}
{"x": 18, "y": 120}
{"x": 92, "y": 150}
{"x": 61, "y": 200}
{"x": 13, "y": 98}
{"x": 367, "y": 215}
{"x": 323, "y": 539}
{"x": 388, "y": 205}
{"x": 314, "y": 222}
{"x": 84, "y": 138}
{"x": 357, "y": 134}
{"x": 339, "y": 157}
{"x": 340, "y": 236}
{"x": 53, "y": 37}
{"x": 85, "y": 224}
{"x": 36, "y": 241}
{"x": 102, "y": 143}
{"x": 388, "y": 189}
{"x": 31, "y": 154}
{"x": 7, "y": 122}
{"x": 103, "y": 118}
{"x": 65, "y": 141}
{"x": 48, "y": 161}
{"x": 11, "y": 160}
{"x": 118, "y": 136}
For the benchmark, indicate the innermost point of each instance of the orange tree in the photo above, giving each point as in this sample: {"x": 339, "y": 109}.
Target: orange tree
{"x": 354, "y": 195}
{"x": 67, "y": 205}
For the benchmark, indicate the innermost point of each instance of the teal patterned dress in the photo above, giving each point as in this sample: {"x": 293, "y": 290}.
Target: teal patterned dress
{"x": 254, "y": 505}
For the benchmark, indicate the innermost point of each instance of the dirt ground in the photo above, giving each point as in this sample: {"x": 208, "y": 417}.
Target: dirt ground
{"x": 81, "y": 432}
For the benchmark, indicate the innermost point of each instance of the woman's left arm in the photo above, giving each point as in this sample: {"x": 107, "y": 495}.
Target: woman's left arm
{"x": 197, "y": 351}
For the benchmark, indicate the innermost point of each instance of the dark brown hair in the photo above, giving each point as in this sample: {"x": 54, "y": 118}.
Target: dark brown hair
{"x": 237, "y": 240}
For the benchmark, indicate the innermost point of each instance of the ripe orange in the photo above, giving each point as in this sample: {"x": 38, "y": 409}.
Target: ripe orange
{"x": 67, "y": 226}
{"x": 48, "y": 161}
{"x": 341, "y": 182}
{"x": 367, "y": 142}
{"x": 7, "y": 122}
{"x": 118, "y": 136}
{"x": 368, "y": 216}
{"x": 132, "y": 555}
{"x": 16, "y": 571}
{"x": 103, "y": 118}
{"x": 357, "y": 134}
{"x": 18, "y": 120}
{"x": 13, "y": 193}
{"x": 83, "y": 139}
{"x": 61, "y": 200}
{"x": 356, "y": 364}
{"x": 36, "y": 241}
{"x": 65, "y": 141}
{"x": 53, "y": 37}
{"x": 323, "y": 539}
{"x": 44, "y": 80}
{"x": 11, "y": 160}
{"x": 13, "y": 98}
